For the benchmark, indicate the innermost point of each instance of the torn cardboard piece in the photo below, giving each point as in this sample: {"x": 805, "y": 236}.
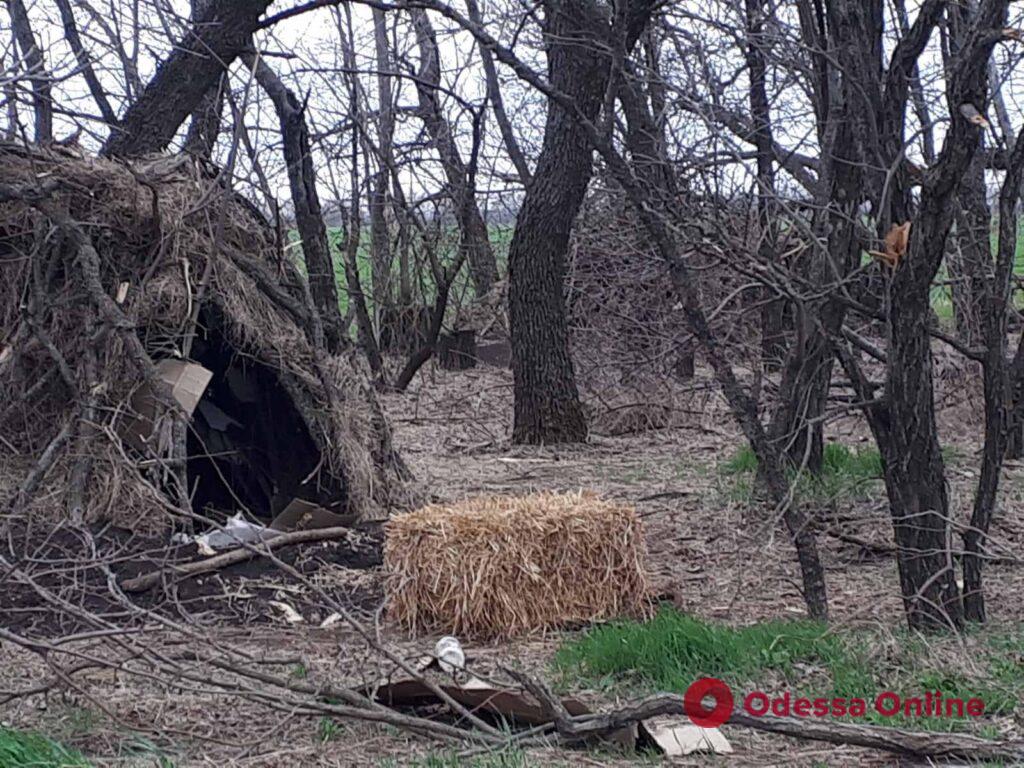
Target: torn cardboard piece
{"x": 188, "y": 382}
{"x": 676, "y": 739}
{"x": 302, "y": 515}
{"x": 509, "y": 704}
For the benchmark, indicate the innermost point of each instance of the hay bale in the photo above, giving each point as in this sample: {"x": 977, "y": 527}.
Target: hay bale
{"x": 497, "y": 566}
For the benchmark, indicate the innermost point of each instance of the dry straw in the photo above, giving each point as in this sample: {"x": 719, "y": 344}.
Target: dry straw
{"x": 499, "y": 566}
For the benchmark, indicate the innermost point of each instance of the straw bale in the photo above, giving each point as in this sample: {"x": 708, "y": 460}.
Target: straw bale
{"x": 499, "y": 566}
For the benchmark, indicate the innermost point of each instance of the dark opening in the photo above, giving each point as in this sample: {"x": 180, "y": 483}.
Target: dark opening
{"x": 248, "y": 447}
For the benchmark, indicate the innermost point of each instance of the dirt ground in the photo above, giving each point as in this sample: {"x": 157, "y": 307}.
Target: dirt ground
{"x": 708, "y": 555}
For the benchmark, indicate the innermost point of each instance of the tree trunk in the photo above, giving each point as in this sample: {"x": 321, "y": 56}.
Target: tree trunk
{"x": 35, "y": 68}
{"x": 204, "y": 127}
{"x": 773, "y": 342}
{"x": 547, "y": 403}
{"x": 995, "y": 301}
{"x": 970, "y": 254}
{"x": 308, "y": 217}
{"x": 914, "y": 472}
{"x": 473, "y": 236}
{"x": 380, "y": 247}
{"x": 217, "y": 38}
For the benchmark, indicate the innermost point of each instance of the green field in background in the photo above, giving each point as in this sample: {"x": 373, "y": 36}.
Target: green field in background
{"x": 500, "y": 236}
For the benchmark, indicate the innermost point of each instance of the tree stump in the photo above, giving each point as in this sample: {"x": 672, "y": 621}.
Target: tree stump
{"x": 456, "y": 351}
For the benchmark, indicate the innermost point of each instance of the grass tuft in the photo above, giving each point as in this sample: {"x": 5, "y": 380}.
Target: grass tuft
{"x": 844, "y": 473}
{"x": 672, "y": 650}
{"x": 24, "y": 749}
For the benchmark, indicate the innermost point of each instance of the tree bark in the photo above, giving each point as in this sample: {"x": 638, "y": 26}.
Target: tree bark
{"x": 547, "y": 403}
{"x": 204, "y": 126}
{"x": 218, "y": 37}
{"x": 999, "y": 379}
{"x": 308, "y": 216}
{"x": 914, "y": 472}
{"x": 381, "y": 257}
{"x": 969, "y": 260}
{"x": 970, "y": 254}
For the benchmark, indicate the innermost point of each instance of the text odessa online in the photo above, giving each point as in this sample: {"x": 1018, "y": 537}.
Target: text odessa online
{"x": 887, "y": 704}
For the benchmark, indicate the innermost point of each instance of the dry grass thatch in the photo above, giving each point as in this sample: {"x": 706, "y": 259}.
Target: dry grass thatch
{"x": 499, "y": 566}
{"x": 168, "y": 236}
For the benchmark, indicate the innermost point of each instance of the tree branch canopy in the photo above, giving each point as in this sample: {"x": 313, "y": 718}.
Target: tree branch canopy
{"x": 217, "y": 37}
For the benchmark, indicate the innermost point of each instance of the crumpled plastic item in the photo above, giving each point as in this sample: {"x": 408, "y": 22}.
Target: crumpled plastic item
{"x": 236, "y": 531}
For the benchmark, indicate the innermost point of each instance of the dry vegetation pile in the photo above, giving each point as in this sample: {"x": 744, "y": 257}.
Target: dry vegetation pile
{"x": 501, "y": 566}
{"x": 107, "y": 267}
{"x": 624, "y": 311}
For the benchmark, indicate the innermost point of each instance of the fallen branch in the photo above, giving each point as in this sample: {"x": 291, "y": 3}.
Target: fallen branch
{"x": 897, "y": 740}
{"x": 240, "y": 555}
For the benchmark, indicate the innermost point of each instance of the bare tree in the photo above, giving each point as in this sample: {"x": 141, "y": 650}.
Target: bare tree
{"x": 35, "y": 70}
{"x": 473, "y": 238}
{"x": 218, "y": 35}
{"x": 316, "y": 249}
{"x": 579, "y": 50}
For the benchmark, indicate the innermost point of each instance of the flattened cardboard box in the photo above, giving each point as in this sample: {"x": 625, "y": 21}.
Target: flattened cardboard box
{"x": 188, "y": 382}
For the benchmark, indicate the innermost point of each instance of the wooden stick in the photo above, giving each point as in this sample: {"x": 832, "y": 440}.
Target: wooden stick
{"x": 240, "y": 555}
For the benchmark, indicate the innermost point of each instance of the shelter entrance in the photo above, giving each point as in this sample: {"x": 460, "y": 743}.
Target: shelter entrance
{"x": 248, "y": 446}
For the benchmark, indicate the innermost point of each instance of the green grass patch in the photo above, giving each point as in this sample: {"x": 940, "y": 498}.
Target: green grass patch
{"x": 845, "y": 472}
{"x": 672, "y": 650}
{"x": 328, "y": 729}
{"x": 25, "y": 749}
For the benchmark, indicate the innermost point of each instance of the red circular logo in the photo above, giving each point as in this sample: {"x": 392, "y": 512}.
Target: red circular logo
{"x": 693, "y": 702}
